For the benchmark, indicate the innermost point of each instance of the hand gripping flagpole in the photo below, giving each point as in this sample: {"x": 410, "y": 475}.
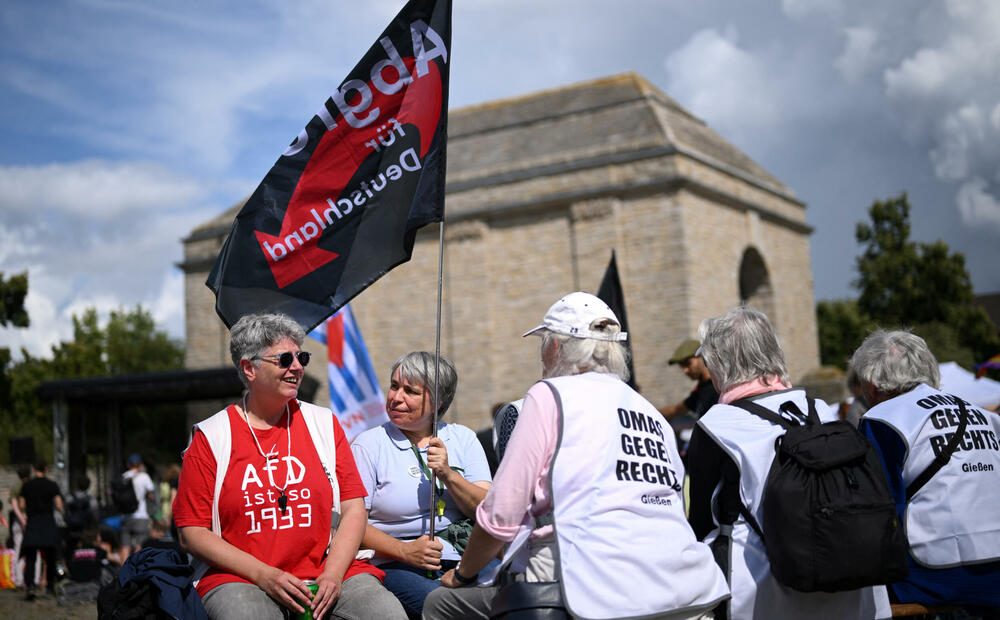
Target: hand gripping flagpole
{"x": 437, "y": 364}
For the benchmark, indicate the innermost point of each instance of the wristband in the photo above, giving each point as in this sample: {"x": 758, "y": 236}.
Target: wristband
{"x": 465, "y": 580}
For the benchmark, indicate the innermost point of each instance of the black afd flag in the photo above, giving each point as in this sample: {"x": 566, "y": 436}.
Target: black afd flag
{"x": 611, "y": 293}
{"x": 342, "y": 205}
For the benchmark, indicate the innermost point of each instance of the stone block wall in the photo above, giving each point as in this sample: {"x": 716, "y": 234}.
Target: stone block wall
{"x": 679, "y": 222}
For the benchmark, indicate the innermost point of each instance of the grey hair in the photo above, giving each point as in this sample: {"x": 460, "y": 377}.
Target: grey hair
{"x": 741, "y": 346}
{"x": 895, "y": 362}
{"x": 418, "y": 367}
{"x": 253, "y": 334}
{"x": 579, "y": 355}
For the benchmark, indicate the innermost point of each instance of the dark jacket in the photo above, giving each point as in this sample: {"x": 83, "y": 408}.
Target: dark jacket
{"x": 170, "y": 574}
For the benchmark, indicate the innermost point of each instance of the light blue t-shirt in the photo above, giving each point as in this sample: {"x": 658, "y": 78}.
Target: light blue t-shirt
{"x": 398, "y": 490}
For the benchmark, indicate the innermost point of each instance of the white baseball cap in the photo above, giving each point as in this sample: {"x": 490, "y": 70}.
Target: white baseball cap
{"x": 573, "y": 315}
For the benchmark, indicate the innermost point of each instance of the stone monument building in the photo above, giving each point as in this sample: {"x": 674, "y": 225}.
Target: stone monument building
{"x": 540, "y": 190}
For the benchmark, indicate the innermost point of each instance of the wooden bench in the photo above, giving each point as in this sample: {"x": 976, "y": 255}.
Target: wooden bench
{"x": 903, "y": 610}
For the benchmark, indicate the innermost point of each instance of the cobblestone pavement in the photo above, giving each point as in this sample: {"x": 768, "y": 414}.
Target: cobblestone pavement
{"x": 14, "y": 607}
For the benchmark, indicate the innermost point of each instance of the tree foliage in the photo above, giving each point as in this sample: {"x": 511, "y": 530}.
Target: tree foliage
{"x": 13, "y": 290}
{"x": 903, "y": 283}
{"x": 129, "y": 343}
{"x": 842, "y": 326}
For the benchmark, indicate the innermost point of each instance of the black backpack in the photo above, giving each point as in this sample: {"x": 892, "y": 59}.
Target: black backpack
{"x": 829, "y": 521}
{"x": 123, "y": 495}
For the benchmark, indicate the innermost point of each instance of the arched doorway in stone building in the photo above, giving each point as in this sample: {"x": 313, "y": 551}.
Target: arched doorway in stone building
{"x": 755, "y": 283}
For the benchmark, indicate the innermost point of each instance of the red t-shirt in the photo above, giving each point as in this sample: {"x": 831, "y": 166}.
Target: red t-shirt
{"x": 251, "y": 519}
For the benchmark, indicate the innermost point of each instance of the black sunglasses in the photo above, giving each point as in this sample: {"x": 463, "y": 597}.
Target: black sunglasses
{"x": 284, "y": 360}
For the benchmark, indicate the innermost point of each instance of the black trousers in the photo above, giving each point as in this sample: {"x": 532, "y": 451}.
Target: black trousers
{"x": 50, "y": 556}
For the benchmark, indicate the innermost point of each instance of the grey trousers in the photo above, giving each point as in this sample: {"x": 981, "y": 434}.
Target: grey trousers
{"x": 362, "y": 597}
{"x": 475, "y": 602}
{"x": 471, "y": 602}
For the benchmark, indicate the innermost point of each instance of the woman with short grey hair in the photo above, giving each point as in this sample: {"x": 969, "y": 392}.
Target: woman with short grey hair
{"x": 396, "y": 461}
{"x": 252, "y": 334}
{"x": 730, "y": 454}
{"x": 269, "y": 496}
{"x": 944, "y": 492}
{"x": 740, "y": 347}
{"x": 895, "y": 362}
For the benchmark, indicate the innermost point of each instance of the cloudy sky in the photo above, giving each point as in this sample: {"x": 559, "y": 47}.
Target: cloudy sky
{"x": 126, "y": 123}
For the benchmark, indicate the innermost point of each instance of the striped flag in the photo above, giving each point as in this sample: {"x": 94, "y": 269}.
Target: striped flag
{"x": 355, "y": 396}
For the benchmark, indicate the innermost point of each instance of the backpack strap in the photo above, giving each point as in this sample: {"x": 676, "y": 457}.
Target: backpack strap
{"x": 944, "y": 456}
{"x": 751, "y": 520}
{"x": 766, "y": 414}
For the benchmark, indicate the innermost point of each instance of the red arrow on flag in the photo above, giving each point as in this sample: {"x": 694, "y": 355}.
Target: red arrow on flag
{"x": 294, "y": 252}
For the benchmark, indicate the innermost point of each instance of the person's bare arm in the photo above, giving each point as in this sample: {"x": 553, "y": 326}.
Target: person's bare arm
{"x": 420, "y": 552}
{"x": 467, "y": 495}
{"x": 19, "y": 511}
{"x": 482, "y": 548}
{"x": 672, "y": 411}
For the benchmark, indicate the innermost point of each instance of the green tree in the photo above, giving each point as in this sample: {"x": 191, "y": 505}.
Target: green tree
{"x": 842, "y": 326}
{"x": 903, "y": 283}
{"x": 13, "y": 290}
{"x": 920, "y": 285}
{"x": 128, "y": 344}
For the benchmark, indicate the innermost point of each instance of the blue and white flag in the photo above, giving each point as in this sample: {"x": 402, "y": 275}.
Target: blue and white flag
{"x": 355, "y": 396}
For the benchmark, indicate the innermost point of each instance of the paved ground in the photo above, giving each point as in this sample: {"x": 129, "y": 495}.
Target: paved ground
{"x": 14, "y": 607}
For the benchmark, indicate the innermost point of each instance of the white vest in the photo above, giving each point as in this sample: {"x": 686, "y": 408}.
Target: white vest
{"x": 216, "y": 429}
{"x": 625, "y": 548}
{"x": 954, "y": 519}
{"x": 749, "y": 441}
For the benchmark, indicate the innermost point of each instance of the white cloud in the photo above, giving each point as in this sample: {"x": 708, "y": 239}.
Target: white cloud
{"x": 860, "y": 55}
{"x": 947, "y": 97}
{"x": 96, "y": 234}
{"x": 167, "y": 307}
{"x": 94, "y": 189}
{"x": 921, "y": 76}
{"x": 798, "y": 9}
{"x": 962, "y": 132}
{"x": 977, "y": 206}
{"x": 724, "y": 83}
{"x": 44, "y": 331}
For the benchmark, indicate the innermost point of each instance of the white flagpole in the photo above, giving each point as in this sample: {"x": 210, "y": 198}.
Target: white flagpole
{"x": 437, "y": 364}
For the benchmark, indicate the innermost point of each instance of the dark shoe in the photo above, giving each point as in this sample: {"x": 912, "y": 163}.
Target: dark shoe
{"x": 30, "y": 595}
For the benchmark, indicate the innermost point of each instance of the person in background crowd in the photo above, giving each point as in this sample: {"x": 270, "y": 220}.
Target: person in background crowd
{"x": 269, "y": 494}
{"x": 578, "y": 458}
{"x": 135, "y": 527}
{"x": 107, "y": 539}
{"x": 728, "y": 461}
{"x": 17, "y": 522}
{"x": 167, "y": 491}
{"x": 81, "y": 513}
{"x": 39, "y": 498}
{"x": 160, "y": 537}
{"x": 395, "y": 461}
{"x": 857, "y": 405}
{"x": 703, "y": 396}
{"x": 951, "y": 519}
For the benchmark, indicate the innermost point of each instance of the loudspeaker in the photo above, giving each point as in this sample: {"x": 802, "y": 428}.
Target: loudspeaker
{"x": 22, "y": 450}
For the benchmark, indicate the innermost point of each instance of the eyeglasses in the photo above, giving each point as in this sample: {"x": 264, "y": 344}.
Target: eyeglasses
{"x": 284, "y": 360}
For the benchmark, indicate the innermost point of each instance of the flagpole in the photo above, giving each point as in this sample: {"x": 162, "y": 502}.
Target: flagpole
{"x": 437, "y": 364}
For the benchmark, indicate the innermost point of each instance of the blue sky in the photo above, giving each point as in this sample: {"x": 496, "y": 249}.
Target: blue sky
{"x": 125, "y": 124}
